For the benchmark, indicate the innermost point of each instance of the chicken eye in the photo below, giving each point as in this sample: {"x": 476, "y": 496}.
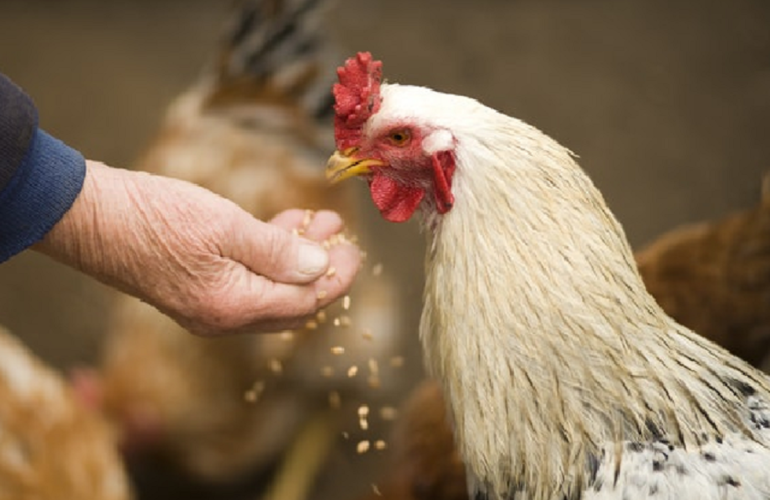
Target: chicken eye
{"x": 400, "y": 137}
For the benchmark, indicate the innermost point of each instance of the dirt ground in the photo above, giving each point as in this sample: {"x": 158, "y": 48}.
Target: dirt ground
{"x": 666, "y": 103}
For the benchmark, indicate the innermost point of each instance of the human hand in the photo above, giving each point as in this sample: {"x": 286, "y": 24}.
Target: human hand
{"x": 198, "y": 257}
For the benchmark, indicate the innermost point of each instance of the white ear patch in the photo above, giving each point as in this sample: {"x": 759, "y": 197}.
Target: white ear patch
{"x": 440, "y": 140}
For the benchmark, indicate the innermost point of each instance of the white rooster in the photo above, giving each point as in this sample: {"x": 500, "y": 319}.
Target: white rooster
{"x": 565, "y": 379}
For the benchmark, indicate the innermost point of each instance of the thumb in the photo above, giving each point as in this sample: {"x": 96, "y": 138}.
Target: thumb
{"x": 278, "y": 254}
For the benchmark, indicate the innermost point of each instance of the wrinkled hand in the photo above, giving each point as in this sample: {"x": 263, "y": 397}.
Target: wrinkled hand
{"x": 198, "y": 257}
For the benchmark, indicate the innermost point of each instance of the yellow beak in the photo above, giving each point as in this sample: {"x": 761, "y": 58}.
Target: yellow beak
{"x": 343, "y": 165}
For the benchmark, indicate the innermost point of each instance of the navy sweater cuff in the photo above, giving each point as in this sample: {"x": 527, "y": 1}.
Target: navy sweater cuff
{"x": 43, "y": 188}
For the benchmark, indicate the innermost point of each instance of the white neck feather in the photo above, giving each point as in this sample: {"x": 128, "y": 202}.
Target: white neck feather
{"x": 539, "y": 328}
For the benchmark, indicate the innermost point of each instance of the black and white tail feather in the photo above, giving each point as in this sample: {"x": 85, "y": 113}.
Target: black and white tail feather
{"x": 277, "y": 50}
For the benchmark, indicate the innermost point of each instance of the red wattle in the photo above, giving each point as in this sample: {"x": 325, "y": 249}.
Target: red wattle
{"x": 443, "y": 169}
{"x": 396, "y": 202}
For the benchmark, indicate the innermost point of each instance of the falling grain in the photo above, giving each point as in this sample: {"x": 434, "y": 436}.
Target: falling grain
{"x": 397, "y": 361}
{"x": 331, "y": 271}
{"x": 380, "y": 445}
{"x": 376, "y": 490}
{"x": 275, "y": 365}
{"x": 388, "y": 413}
{"x": 334, "y": 400}
{"x": 352, "y": 371}
{"x": 321, "y": 294}
{"x": 346, "y": 302}
{"x": 337, "y": 350}
{"x": 342, "y": 321}
{"x": 253, "y": 394}
{"x": 287, "y": 336}
{"x": 363, "y": 413}
{"x": 363, "y": 446}
{"x": 321, "y": 316}
{"x": 374, "y": 368}
{"x": 367, "y": 334}
{"x": 311, "y": 324}
{"x": 327, "y": 371}
{"x": 377, "y": 269}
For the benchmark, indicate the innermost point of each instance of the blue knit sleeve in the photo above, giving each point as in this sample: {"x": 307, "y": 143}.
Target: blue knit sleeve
{"x": 40, "y": 176}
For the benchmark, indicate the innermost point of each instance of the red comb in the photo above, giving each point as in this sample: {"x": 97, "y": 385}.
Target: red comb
{"x": 356, "y": 97}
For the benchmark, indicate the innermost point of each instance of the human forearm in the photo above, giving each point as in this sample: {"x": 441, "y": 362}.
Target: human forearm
{"x": 87, "y": 237}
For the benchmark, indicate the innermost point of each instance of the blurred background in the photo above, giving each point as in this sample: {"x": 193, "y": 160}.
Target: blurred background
{"x": 666, "y": 103}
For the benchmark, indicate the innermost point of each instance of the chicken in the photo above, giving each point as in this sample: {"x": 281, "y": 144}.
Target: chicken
{"x": 563, "y": 377}
{"x": 711, "y": 277}
{"x": 714, "y": 277}
{"x": 226, "y": 411}
{"x": 51, "y": 447}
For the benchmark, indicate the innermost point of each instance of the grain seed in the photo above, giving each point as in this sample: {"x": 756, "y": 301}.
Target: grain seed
{"x": 388, "y": 413}
{"x": 334, "y": 400}
{"x": 363, "y": 446}
{"x": 275, "y": 365}
{"x": 252, "y": 395}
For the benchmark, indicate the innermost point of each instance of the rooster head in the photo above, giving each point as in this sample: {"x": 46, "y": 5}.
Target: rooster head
{"x": 406, "y": 155}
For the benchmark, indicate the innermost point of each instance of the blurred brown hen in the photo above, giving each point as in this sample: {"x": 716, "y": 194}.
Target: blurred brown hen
{"x": 51, "y": 447}
{"x": 713, "y": 277}
{"x": 255, "y": 131}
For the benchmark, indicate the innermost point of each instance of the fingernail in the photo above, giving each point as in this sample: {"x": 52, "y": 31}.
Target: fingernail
{"x": 313, "y": 260}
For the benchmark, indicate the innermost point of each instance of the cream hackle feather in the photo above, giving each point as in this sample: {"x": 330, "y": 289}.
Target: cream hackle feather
{"x": 563, "y": 375}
